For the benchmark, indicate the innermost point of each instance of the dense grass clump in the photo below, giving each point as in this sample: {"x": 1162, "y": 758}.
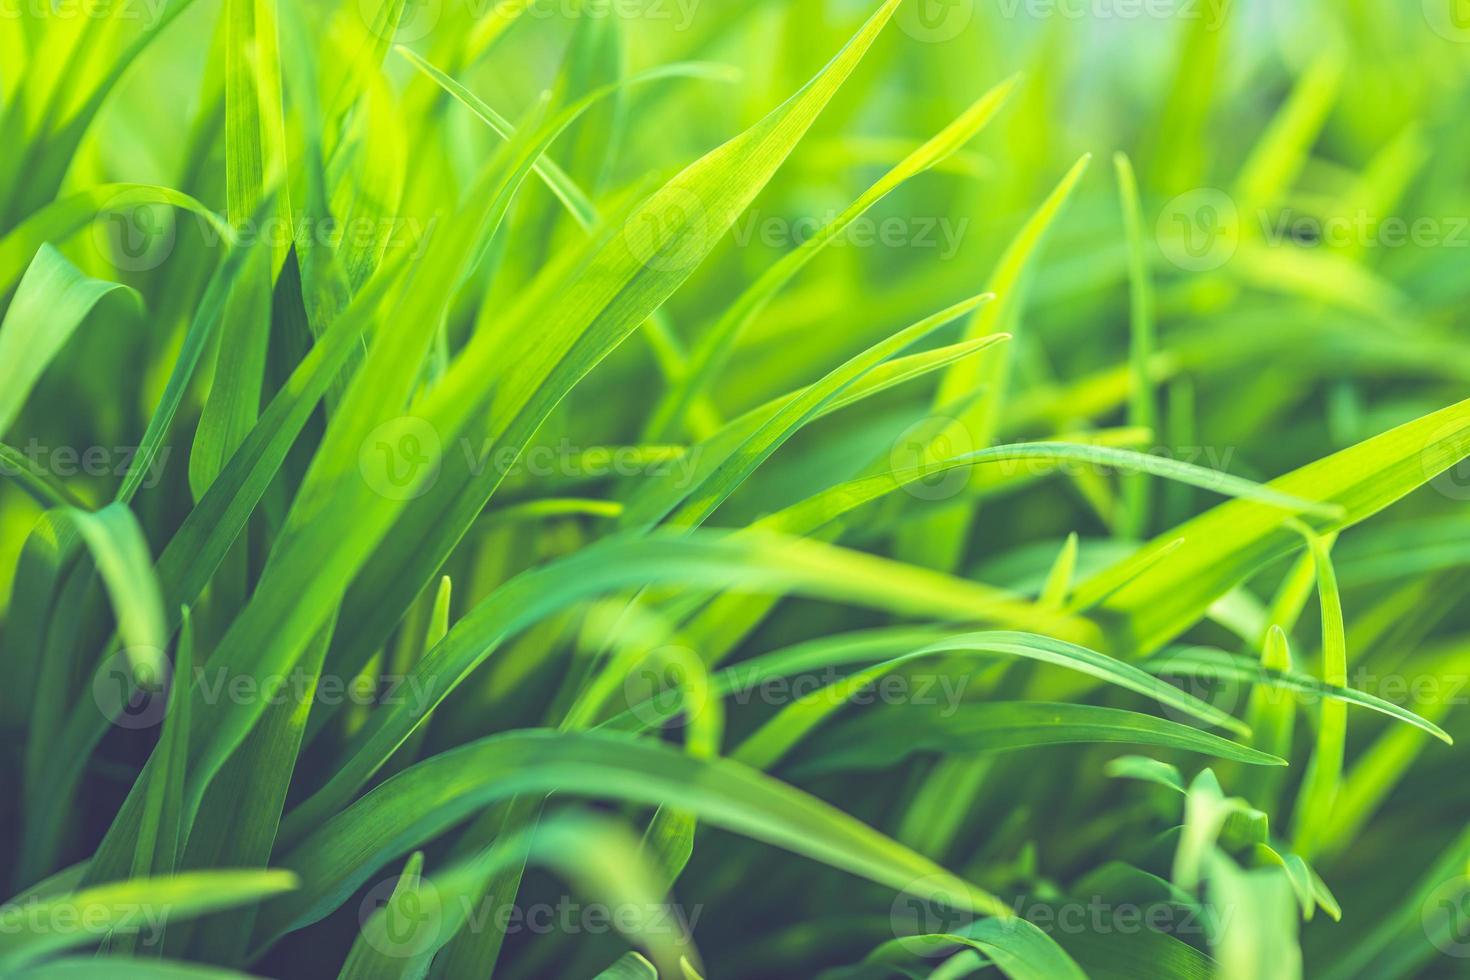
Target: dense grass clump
{"x": 734, "y": 488}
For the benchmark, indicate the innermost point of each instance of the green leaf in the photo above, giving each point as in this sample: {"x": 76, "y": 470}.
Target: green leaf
{"x": 629, "y": 966}
{"x": 1324, "y": 772}
{"x": 53, "y": 300}
{"x": 940, "y": 538}
{"x": 36, "y": 930}
{"x": 742, "y": 561}
{"x": 872, "y": 740}
{"x": 1147, "y": 600}
{"x": 715, "y": 347}
{"x": 432, "y": 796}
{"x": 1206, "y": 662}
{"x": 1142, "y": 404}
{"x": 764, "y": 747}
{"x": 596, "y": 298}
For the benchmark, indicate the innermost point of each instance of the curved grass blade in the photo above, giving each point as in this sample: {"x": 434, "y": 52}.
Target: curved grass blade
{"x": 715, "y": 347}
{"x": 428, "y": 798}
{"x": 54, "y": 299}
{"x": 131, "y": 905}
{"x": 879, "y": 739}
{"x": 742, "y": 561}
{"x": 1208, "y": 662}
{"x": 1318, "y": 794}
{"x": 1152, "y": 597}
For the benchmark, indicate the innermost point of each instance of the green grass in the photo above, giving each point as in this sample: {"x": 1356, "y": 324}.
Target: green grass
{"x": 734, "y": 489}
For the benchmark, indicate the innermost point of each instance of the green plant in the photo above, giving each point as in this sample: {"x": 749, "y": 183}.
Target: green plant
{"x": 448, "y": 532}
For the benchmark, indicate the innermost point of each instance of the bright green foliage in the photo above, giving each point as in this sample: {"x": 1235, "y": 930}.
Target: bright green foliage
{"x": 734, "y": 488}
